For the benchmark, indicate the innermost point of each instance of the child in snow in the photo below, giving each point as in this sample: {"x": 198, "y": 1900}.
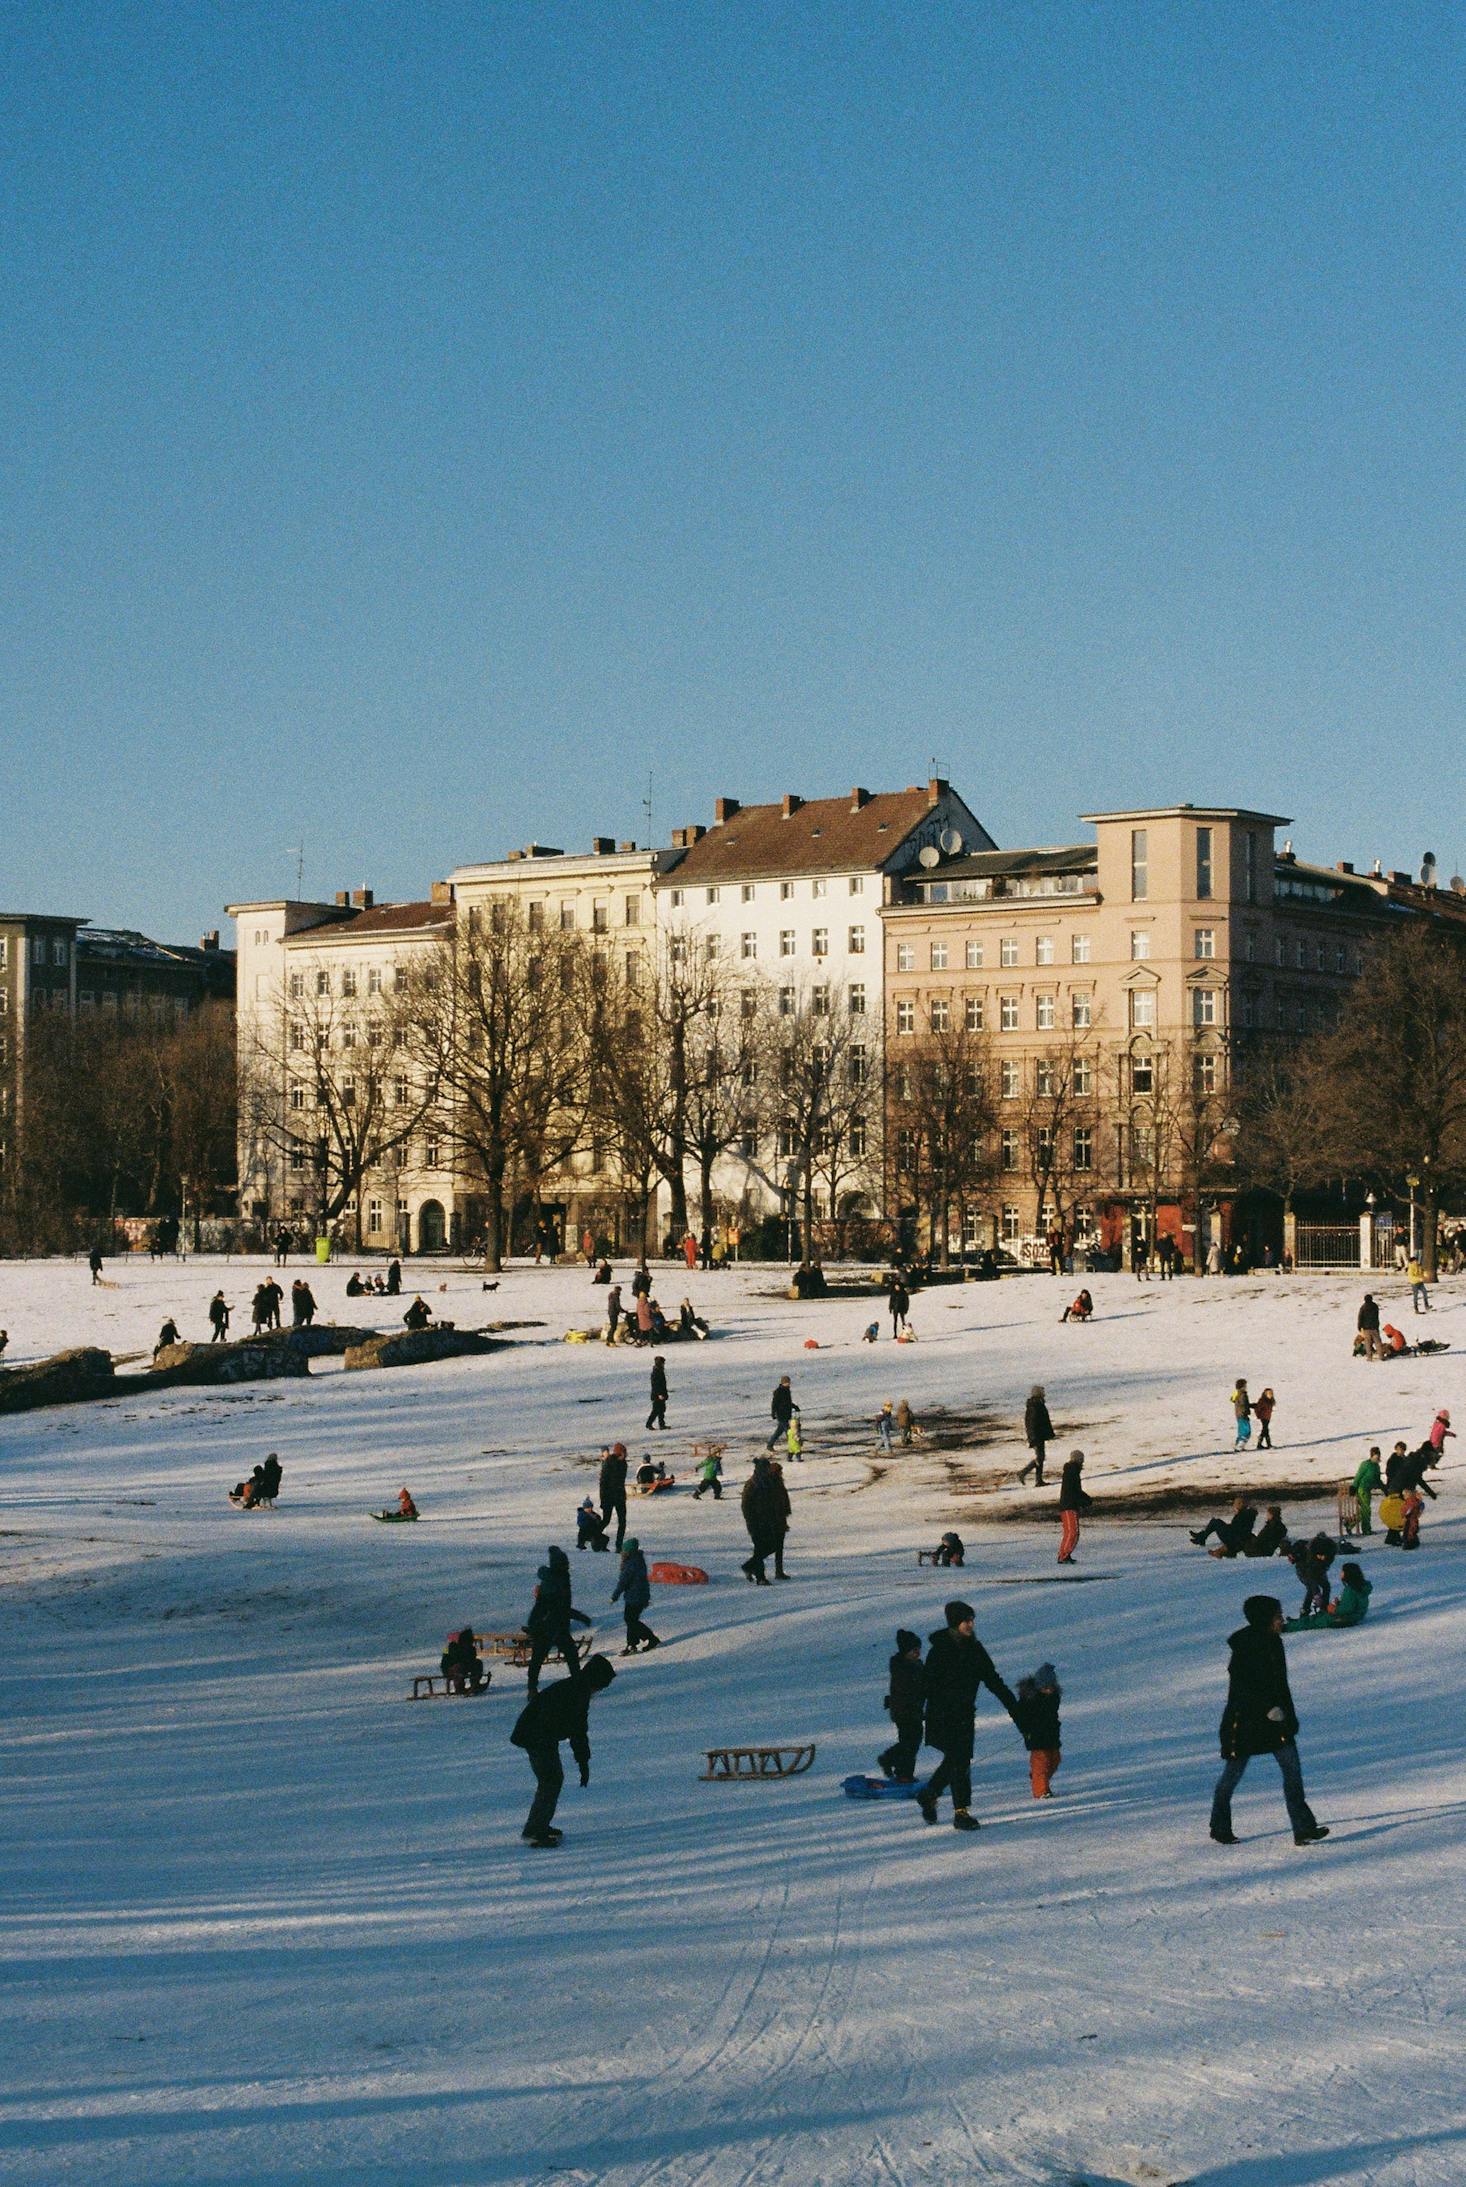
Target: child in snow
{"x": 906, "y": 1425}
{"x": 794, "y": 1437}
{"x": 1351, "y": 1608}
{"x": 406, "y": 1508}
{"x": 870, "y": 1332}
{"x": 1367, "y": 1484}
{"x": 710, "y": 1476}
{"x": 1413, "y": 1503}
{"x": 590, "y": 1532}
{"x": 1242, "y": 1412}
{"x": 634, "y": 1593}
{"x": 950, "y": 1550}
{"x": 461, "y": 1664}
{"x": 1081, "y": 1309}
{"x": 1263, "y": 1409}
{"x": 885, "y": 1426}
{"x": 1311, "y": 1561}
{"x": 904, "y": 1705}
{"x": 1038, "y": 1720}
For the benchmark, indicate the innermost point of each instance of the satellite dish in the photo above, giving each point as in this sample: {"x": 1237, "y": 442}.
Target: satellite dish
{"x": 950, "y": 841}
{"x": 1427, "y": 869}
{"x": 1458, "y": 885}
{"x": 928, "y": 855}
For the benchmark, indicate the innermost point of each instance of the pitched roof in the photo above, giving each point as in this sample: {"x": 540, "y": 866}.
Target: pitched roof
{"x": 379, "y": 923}
{"x": 850, "y": 834}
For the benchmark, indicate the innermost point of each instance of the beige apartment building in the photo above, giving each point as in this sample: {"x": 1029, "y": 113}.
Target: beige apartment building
{"x": 1109, "y": 985}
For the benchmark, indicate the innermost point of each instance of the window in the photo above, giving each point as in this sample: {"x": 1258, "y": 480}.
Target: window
{"x": 820, "y": 888}
{"x": 972, "y": 956}
{"x": 1203, "y": 861}
{"x": 906, "y": 1016}
{"x": 1142, "y": 1146}
{"x": 1083, "y": 1077}
{"x": 1142, "y": 1074}
{"x": 1079, "y": 947}
{"x": 712, "y": 947}
{"x": 401, "y": 1092}
{"x": 38, "y": 949}
{"x": 748, "y": 1145}
{"x": 786, "y": 1002}
{"x": 297, "y": 1031}
{"x": 1043, "y": 1013}
{"x": 748, "y": 1003}
{"x": 4, "y": 952}
{"x": 819, "y": 1001}
{"x": 1044, "y": 1151}
{"x": 58, "y": 952}
{"x": 856, "y": 1002}
{"x": 1249, "y": 947}
{"x": 1206, "y": 941}
{"x": 1204, "y": 1074}
{"x": 972, "y": 1014}
{"x": 1139, "y": 944}
{"x": 746, "y": 893}
{"x": 1249, "y": 867}
{"x": 297, "y": 1156}
{"x": 297, "y": 986}
{"x": 1043, "y": 949}
{"x": 537, "y": 915}
{"x": 857, "y": 884}
{"x": 1280, "y": 950}
{"x": 712, "y": 895}
{"x": 323, "y": 983}
{"x": 374, "y": 983}
{"x": 631, "y": 909}
{"x": 857, "y": 1066}
{"x": 1339, "y": 960}
{"x": 941, "y": 1012}
{"x": 348, "y": 1036}
{"x": 748, "y": 947}
{"x": 901, "y": 1082}
{"x": 1081, "y": 1010}
{"x": 1010, "y": 1082}
{"x": 786, "y": 891}
{"x": 633, "y": 968}
{"x": 431, "y": 1154}
{"x": 374, "y": 1032}
{"x": 1203, "y": 1006}
{"x": 677, "y": 898}
{"x": 1012, "y": 1224}
{"x": 1008, "y": 1150}
{"x": 1043, "y": 1079}
{"x": 1322, "y": 958}
{"x": 1249, "y": 1012}
{"x": 348, "y": 1093}
{"x": 297, "y": 1097}
{"x": 906, "y": 1150}
{"x": 348, "y": 985}
{"x": 905, "y": 957}
{"x": 857, "y": 1138}
{"x": 1008, "y": 1014}
{"x": 374, "y": 1217}
{"x": 786, "y": 941}
{"x": 819, "y": 945}
{"x": 1139, "y": 865}
{"x": 1142, "y": 1008}
{"x": 567, "y": 914}
{"x": 1008, "y": 950}
{"x": 939, "y": 956}
{"x": 855, "y": 941}
{"x": 600, "y": 915}
{"x": 1303, "y": 956}
{"x": 677, "y": 950}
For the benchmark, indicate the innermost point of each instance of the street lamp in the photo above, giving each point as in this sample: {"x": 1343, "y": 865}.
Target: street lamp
{"x": 1413, "y": 1181}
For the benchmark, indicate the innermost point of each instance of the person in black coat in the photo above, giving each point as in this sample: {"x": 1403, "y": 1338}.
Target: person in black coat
{"x": 657, "y": 1417}
{"x": 560, "y": 1712}
{"x": 763, "y": 1516}
{"x": 1414, "y": 1468}
{"x": 1260, "y": 1718}
{"x": 1270, "y": 1537}
{"x": 1038, "y": 1433}
{"x": 1234, "y": 1534}
{"x": 957, "y": 1664}
{"x": 612, "y": 1490}
{"x": 633, "y": 1591}
{"x": 1074, "y": 1501}
{"x": 551, "y": 1617}
{"x": 782, "y": 1409}
{"x": 905, "y": 1703}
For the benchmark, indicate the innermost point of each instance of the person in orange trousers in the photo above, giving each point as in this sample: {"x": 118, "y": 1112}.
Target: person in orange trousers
{"x": 1072, "y": 1502}
{"x": 1038, "y": 1720}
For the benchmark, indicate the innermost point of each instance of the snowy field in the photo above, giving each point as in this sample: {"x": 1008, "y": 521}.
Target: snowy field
{"x": 264, "y": 1922}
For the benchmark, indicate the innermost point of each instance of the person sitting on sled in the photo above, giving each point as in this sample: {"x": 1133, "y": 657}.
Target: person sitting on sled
{"x": 950, "y": 1550}
{"x": 406, "y": 1508}
{"x": 1081, "y": 1309}
{"x": 461, "y": 1664}
{"x": 590, "y": 1531}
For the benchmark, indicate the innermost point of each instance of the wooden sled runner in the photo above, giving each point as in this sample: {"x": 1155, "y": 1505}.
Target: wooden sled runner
{"x": 740, "y": 1765}
{"x": 1347, "y": 1516}
{"x": 433, "y": 1686}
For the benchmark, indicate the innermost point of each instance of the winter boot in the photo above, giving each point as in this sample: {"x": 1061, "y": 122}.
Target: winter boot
{"x": 961, "y": 1820}
{"x": 1310, "y": 1837}
{"x": 928, "y": 1807}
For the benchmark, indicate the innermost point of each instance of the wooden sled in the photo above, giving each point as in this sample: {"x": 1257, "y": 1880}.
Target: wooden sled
{"x": 516, "y": 1648}
{"x": 929, "y": 1556}
{"x": 743, "y": 1765}
{"x": 1347, "y": 1514}
{"x": 709, "y": 1450}
{"x": 433, "y": 1686}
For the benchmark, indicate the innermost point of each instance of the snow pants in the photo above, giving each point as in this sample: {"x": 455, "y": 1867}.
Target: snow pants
{"x": 1364, "y": 1505}
{"x": 1068, "y": 1535}
{"x": 549, "y": 1782}
{"x": 953, "y": 1772}
{"x": 899, "y": 1759}
{"x": 1300, "y": 1814}
{"x": 1042, "y": 1762}
{"x": 637, "y": 1634}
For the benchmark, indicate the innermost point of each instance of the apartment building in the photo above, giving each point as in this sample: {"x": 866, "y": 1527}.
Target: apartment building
{"x": 37, "y": 972}
{"x": 1111, "y": 982}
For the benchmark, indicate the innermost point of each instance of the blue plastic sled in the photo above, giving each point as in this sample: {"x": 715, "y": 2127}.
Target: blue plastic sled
{"x": 861, "y": 1787}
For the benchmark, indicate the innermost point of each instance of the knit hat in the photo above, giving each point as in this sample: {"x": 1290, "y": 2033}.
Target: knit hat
{"x": 630, "y": 1546}
{"x": 1076, "y": 1454}
{"x": 905, "y": 1641}
{"x": 1261, "y": 1609}
{"x": 957, "y": 1613}
{"x": 1046, "y": 1675}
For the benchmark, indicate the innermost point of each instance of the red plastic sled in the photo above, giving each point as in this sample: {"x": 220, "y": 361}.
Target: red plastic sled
{"x": 679, "y": 1575}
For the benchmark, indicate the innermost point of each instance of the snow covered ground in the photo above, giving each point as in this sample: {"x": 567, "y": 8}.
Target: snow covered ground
{"x": 264, "y": 1922}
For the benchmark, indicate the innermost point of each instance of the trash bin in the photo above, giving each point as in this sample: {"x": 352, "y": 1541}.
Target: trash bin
{"x": 323, "y": 1250}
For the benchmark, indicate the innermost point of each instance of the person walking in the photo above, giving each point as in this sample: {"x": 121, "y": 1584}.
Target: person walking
{"x": 1242, "y": 1415}
{"x": 957, "y": 1665}
{"x": 1038, "y": 1433}
{"x": 302, "y": 1303}
{"x": 1259, "y": 1718}
{"x": 899, "y": 1306}
{"x": 783, "y": 1511}
{"x": 633, "y": 1590}
{"x": 218, "y": 1318}
{"x": 657, "y": 1417}
{"x": 611, "y": 1490}
{"x": 94, "y": 1262}
{"x": 905, "y": 1701}
{"x": 1263, "y": 1410}
{"x": 559, "y": 1713}
{"x": 710, "y": 1477}
{"x": 1415, "y": 1277}
{"x": 1367, "y": 1327}
{"x": 1073, "y": 1503}
{"x": 613, "y": 1312}
{"x": 551, "y": 1617}
{"x": 1367, "y": 1484}
{"x": 760, "y": 1506}
{"x": 782, "y": 1409}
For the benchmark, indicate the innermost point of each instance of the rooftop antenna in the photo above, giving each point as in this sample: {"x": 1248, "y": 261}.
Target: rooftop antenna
{"x": 646, "y": 806}
{"x": 297, "y": 852}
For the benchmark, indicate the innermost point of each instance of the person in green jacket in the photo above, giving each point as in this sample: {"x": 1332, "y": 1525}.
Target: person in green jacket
{"x": 1350, "y": 1606}
{"x": 1368, "y": 1481}
{"x": 710, "y": 1476}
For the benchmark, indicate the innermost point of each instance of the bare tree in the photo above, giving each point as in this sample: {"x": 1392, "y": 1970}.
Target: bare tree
{"x": 941, "y": 1121}
{"x": 725, "y": 1060}
{"x": 821, "y": 1098}
{"x": 1059, "y": 1123}
{"x": 1289, "y": 1117}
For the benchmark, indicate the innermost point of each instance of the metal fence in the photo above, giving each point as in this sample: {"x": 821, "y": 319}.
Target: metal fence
{"x": 1327, "y": 1245}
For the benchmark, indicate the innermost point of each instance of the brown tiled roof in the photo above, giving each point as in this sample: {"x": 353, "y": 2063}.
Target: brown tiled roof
{"x": 826, "y": 835}
{"x": 382, "y": 920}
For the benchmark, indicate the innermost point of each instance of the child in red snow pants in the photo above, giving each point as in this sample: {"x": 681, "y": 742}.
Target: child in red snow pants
{"x": 1068, "y": 1535}
{"x": 1042, "y": 1762}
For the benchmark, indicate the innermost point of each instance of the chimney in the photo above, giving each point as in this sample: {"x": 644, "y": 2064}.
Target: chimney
{"x": 1346, "y": 865}
{"x": 858, "y": 798}
{"x": 1401, "y": 880}
{"x": 363, "y": 898}
{"x": 209, "y": 940}
{"x": 601, "y": 846}
{"x": 724, "y": 809}
{"x": 625, "y": 846}
{"x": 441, "y": 892}
{"x": 936, "y": 790}
{"x": 343, "y": 899}
{"x": 790, "y": 806}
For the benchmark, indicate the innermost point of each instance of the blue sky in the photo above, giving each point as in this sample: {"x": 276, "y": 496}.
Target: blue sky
{"x": 425, "y": 426}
